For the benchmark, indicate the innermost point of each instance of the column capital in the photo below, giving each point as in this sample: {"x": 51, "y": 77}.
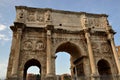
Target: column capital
{"x": 19, "y": 25}
{"x": 110, "y": 36}
{"x": 86, "y": 30}
{"x": 110, "y": 30}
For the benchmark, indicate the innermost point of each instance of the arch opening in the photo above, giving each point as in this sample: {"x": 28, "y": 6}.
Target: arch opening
{"x": 104, "y": 70}
{"x": 32, "y": 64}
{"x": 75, "y": 59}
{"x": 62, "y": 63}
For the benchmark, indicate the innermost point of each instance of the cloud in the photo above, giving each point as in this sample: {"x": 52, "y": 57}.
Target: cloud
{"x": 2, "y": 27}
{"x": 3, "y": 70}
{"x": 4, "y": 37}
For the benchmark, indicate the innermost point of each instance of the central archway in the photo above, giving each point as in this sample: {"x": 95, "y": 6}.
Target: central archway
{"x": 73, "y": 50}
{"x": 32, "y": 62}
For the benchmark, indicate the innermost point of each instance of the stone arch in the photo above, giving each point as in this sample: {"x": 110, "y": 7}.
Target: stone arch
{"x": 69, "y": 47}
{"x": 76, "y": 59}
{"x": 104, "y": 70}
{"x": 29, "y": 63}
{"x": 79, "y": 45}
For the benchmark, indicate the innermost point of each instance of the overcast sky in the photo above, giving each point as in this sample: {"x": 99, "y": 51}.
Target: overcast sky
{"x": 7, "y": 17}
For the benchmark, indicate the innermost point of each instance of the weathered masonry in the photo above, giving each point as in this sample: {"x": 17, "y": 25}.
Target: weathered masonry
{"x": 38, "y": 34}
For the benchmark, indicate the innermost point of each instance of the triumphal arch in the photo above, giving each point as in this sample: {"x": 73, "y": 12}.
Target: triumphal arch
{"x": 38, "y": 34}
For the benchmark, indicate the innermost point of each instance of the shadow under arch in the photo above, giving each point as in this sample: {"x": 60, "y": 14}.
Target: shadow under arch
{"x": 76, "y": 58}
{"x": 29, "y": 63}
{"x": 104, "y": 70}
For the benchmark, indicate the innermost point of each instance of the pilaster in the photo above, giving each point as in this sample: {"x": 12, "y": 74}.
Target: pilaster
{"x": 86, "y": 30}
{"x": 49, "y": 75}
{"x": 19, "y": 27}
{"x": 110, "y": 34}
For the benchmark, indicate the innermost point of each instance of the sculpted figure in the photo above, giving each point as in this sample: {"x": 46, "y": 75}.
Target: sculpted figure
{"x": 27, "y": 45}
{"x": 21, "y": 15}
{"x": 39, "y": 46}
{"x": 47, "y": 16}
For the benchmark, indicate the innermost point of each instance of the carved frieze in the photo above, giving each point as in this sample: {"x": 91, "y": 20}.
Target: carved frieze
{"x": 94, "y": 22}
{"x": 40, "y": 17}
{"x": 98, "y": 38}
{"x": 31, "y": 16}
{"x": 47, "y": 16}
{"x": 20, "y": 15}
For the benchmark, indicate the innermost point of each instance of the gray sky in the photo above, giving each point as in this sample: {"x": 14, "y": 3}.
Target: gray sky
{"x": 7, "y": 16}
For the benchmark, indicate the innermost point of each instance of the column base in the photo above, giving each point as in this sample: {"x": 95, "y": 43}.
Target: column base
{"x": 94, "y": 77}
{"x": 13, "y": 78}
{"x": 50, "y": 77}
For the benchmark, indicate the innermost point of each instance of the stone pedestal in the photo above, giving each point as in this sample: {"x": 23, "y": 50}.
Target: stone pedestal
{"x": 50, "y": 77}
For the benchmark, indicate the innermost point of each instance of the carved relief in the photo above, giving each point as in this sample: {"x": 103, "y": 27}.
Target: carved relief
{"x": 104, "y": 22}
{"x": 95, "y": 47}
{"x": 21, "y": 14}
{"x": 31, "y": 16}
{"x": 40, "y": 18}
{"x": 84, "y": 21}
{"x": 47, "y": 16}
{"x": 94, "y": 22}
{"x": 39, "y": 45}
{"x": 105, "y": 47}
{"x": 27, "y": 45}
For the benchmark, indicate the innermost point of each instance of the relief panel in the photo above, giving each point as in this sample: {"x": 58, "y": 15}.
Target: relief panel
{"x": 31, "y": 16}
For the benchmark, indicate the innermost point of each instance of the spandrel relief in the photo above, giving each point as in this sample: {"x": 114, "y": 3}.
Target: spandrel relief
{"x": 95, "y": 48}
{"x": 39, "y": 45}
{"x": 27, "y": 45}
{"x": 105, "y": 47}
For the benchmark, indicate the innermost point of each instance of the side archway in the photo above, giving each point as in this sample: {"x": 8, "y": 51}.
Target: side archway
{"x": 29, "y": 63}
{"x": 104, "y": 70}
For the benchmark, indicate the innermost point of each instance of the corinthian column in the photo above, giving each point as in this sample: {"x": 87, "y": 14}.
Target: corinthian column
{"x": 111, "y": 39}
{"x": 49, "y": 58}
{"x": 17, "y": 52}
{"x": 90, "y": 52}
{"x": 17, "y": 43}
{"x": 110, "y": 33}
{"x": 84, "y": 22}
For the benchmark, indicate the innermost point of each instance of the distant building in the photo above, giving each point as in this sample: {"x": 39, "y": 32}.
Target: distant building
{"x": 118, "y": 50}
{"x": 31, "y": 77}
{"x": 66, "y": 77}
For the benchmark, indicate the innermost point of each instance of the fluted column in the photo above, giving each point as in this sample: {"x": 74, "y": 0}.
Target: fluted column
{"x": 110, "y": 34}
{"x": 84, "y": 23}
{"x": 49, "y": 57}
{"x": 90, "y": 52}
{"x": 17, "y": 52}
{"x": 111, "y": 39}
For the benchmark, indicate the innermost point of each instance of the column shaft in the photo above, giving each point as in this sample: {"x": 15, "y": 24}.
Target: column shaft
{"x": 17, "y": 52}
{"x": 90, "y": 52}
{"x": 49, "y": 58}
{"x": 115, "y": 53}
